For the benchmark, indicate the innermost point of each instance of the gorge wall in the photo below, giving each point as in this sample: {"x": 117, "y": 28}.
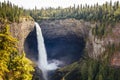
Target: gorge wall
{"x": 64, "y": 39}
{"x": 20, "y": 31}
{"x": 102, "y": 51}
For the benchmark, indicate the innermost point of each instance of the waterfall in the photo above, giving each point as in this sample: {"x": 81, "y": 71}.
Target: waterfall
{"x": 42, "y": 58}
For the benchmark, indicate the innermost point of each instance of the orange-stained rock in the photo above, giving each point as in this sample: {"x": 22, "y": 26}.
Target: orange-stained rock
{"x": 116, "y": 60}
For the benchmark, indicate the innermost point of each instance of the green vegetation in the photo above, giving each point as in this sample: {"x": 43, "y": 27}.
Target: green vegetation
{"x": 104, "y": 16}
{"x": 13, "y": 65}
{"x": 90, "y": 69}
{"x": 97, "y": 13}
{"x": 100, "y": 30}
{"x": 10, "y": 12}
{"x": 108, "y": 13}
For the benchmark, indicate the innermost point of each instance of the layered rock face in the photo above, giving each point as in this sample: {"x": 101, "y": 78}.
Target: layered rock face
{"x": 96, "y": 47}
{"x": 99, "y": 49}
{"x": 20, "y": 31}
{"x": 64, "y": 39}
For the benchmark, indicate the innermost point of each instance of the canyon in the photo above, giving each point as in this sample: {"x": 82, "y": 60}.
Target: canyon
{"x": 65, "y": 40}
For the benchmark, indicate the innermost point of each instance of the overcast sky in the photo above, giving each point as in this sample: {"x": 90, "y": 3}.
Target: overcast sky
{"x": 30, "y": 4}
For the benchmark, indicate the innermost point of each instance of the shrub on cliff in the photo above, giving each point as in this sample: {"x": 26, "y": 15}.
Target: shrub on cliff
{"x": 13, "y": 65}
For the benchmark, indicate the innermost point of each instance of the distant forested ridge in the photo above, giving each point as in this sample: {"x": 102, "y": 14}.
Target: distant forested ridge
{"x": 107, "y": 12}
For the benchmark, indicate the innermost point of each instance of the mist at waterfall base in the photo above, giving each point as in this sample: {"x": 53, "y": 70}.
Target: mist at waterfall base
{"x": 43, "y": 63}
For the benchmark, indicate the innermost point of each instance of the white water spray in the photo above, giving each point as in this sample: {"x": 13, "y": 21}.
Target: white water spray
{"x": 42, "y": 58}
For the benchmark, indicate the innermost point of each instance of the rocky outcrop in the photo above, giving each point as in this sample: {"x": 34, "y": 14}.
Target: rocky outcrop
{"x": 94, "y": 46}
{"x": 37, "y": 75}
{"x": 30, "y": 46}
{"x": 64, "y": 39}
{"x": 21, "y": 31}
{"x": 99, "y": 49}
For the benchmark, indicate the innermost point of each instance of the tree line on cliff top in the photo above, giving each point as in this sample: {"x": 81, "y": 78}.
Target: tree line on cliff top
{"x": 107, "y": 12}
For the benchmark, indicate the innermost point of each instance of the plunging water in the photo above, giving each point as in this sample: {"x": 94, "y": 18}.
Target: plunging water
{"x": 42, "y": 58}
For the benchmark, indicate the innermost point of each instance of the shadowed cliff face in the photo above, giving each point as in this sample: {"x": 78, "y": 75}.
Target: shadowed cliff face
{"x": 30, "y": 46}
{"x": 65, "y": 48}
{"x": 64, "y": 40}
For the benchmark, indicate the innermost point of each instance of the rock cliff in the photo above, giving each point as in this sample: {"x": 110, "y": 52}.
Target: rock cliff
{"x": 64, "y": 39}
{"x": 21, "y": 31}
{"x": 98, "y": 49}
